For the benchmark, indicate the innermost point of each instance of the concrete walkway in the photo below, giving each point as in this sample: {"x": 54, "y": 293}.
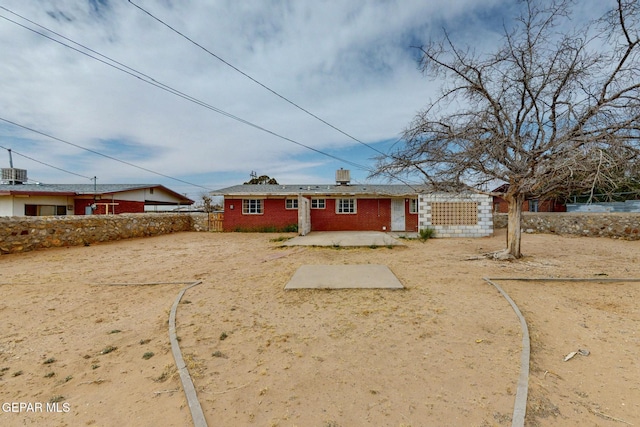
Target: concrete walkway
{"x": 344, "y": 239}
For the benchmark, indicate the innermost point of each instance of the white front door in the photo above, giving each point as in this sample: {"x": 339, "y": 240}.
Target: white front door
{"x": 397, "y": 215}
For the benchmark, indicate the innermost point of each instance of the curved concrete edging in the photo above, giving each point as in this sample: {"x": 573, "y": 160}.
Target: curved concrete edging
{"x": 187, "y": 384}
{"x": 520, "y": 405}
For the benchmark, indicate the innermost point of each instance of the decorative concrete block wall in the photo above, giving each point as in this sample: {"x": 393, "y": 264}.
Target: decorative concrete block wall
{"x": 456, "y": 215}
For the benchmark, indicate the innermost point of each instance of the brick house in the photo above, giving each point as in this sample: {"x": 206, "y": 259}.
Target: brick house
{"x": 531, "y": 204}
{"x": 338, "y": 207}
{"x": 329, "y": 207}
{"x": 348, "y": 207}
{"x": 20, "y": 199}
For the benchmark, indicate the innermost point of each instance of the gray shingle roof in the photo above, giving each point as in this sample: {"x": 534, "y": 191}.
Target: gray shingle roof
{"x": 84, "y": 189}
{"x": 74, "y": 188}
{"x": 321, "y": 190}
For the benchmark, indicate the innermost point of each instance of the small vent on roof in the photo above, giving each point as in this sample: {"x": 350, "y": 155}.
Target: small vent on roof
{"x": 14, "y": 176}
{"x": 343, "y": 177}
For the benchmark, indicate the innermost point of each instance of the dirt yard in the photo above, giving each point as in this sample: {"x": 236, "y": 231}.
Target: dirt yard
{"x": 77, "y": 350}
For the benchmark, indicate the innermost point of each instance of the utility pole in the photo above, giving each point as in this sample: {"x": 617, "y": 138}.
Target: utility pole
{"x": 95, "y": 191}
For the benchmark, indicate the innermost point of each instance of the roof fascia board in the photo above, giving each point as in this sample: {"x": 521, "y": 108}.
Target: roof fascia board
{"x": 37, "y": 193}
{"x": 317, "y": 194}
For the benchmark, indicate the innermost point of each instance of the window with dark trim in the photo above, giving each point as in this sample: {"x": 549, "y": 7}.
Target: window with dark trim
{"x": 413, "y": 206}
{"x": 291, "y": 204}
{"x": 252, "y": 206}
{"x": 44, "y": 210}
{"x": 346, "y": 206}
{"x": 318, "y": 203}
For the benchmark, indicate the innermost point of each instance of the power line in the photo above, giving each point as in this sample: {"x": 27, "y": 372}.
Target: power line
{"x": 45, "y": 164}
{"x": 269, "y": 89}
{"x": 149, "y": 80}
{"x": 153, "y": 82}
{"x": 284, "y": 98}
{"x": 101, "y": 154}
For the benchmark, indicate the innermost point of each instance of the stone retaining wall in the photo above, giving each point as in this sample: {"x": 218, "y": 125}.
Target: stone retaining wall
{"x": 617, "y": 225}
{"x": 21, "y": 234}
{"x": 201, "y": 222}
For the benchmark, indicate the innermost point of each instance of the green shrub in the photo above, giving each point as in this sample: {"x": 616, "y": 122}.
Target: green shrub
{"x": 108, "y": 349}
{"x": 280, "y": 239}
{"x": 291, "y": 228}
{"x": 426, "y": 233}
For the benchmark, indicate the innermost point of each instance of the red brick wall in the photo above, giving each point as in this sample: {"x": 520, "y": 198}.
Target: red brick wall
{"x": 551, "y": 206}
{"x": 124, "y": 206}
{"x": 501, "y": 206}
{"x": 411, "y": 219}
{"x": 371, "y": 214}
{"x": 274, "y": 215}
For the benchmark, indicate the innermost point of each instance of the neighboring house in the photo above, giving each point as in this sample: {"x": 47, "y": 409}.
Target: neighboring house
{"x": 19, "y": 199}
{"x": 531, "y": 204}
{"x": 346, "y": 207}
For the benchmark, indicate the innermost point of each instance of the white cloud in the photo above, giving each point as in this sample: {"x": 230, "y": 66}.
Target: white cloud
{"x": 348, "y": 62}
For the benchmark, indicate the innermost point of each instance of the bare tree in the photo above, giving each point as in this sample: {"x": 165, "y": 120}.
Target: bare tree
{"x": 554, "y": 111}
{"x": 206, "y": 202}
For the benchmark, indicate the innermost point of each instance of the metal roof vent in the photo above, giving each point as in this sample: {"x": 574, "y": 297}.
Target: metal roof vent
{"x": 343, "y": 177}
{"x": 14, "y": 176}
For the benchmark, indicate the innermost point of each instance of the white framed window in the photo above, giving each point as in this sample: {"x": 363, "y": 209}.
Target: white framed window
{"x": 413, "y": 206}
{"x": 318, "y": 203}
{"x": 291, "y": 204}
{"x": 346, "y": 206}
{"x": 252, "y": 207}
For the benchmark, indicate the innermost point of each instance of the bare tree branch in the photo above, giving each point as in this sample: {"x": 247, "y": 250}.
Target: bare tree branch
{"x": 554, "y": 111}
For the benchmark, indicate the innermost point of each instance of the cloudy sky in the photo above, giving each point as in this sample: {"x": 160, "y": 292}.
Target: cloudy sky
{"x": 82, "y": 77}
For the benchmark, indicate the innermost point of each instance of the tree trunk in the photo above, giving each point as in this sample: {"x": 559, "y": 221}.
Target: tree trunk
{"x": 514, "y": 225}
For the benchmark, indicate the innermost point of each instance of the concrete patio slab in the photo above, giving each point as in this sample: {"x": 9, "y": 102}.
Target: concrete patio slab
{"x": 344, "y": 239}
{"x": 364, "y": 276}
